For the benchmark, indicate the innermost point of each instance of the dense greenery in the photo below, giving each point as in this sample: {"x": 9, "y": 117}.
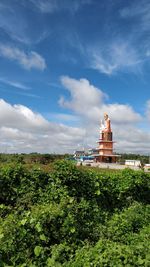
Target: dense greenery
{"x": 48, "y": 158}
{"x": 143, "y": 158}
{"x": 31, "y": 158}
{"x": 74, "y": 217}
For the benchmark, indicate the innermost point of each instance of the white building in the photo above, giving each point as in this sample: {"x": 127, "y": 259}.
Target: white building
{"x": 79, "y": 153}
{"x": 132, "y": 162}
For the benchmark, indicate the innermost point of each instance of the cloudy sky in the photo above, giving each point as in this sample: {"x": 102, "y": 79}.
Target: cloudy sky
{"x": 63, "y": 63}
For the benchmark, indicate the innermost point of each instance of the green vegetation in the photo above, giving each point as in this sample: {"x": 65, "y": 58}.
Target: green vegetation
{"x": 49, "y": 158}
{"x": 73, "y": 217}
{"x": 143, "y": 158}
{"x": 31, "y": 158}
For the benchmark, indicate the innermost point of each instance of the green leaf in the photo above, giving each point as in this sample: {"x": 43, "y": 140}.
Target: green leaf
{"x": 32, "y": 220}
{"x": 50, "y": 262}
{"x": 23, "y": 222}
{"x": 72, "y": 230}
{"x": 1, "y": 236}
{"x": 97, "y": 184}
{"x": 37, "y": 250}
{"x": 97, "y": 192}
{"x": 43, "y": 237}
{"x": 71, "y": 200}
{"x": 38, "y": 227}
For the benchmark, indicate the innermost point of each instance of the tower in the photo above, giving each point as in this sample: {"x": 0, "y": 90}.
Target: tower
{"x": 105, "y": 142}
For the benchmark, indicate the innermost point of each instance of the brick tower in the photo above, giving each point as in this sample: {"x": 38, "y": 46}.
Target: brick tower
{"x": 105, "y": 143}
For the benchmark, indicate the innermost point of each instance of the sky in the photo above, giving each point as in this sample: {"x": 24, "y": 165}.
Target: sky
{"x": 63, "y": 63}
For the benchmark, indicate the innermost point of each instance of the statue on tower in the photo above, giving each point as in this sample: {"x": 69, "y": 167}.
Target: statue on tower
{"x": 105, "y": 129}
{"x": 105, "y": 149}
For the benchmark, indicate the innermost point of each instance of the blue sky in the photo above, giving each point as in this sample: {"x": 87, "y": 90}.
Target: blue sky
{"x": 63, "y": 63}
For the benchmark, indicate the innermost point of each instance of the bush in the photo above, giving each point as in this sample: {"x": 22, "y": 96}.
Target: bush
{"x": 72, "y": 217}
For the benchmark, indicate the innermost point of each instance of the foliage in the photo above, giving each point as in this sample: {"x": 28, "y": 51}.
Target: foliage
{"x": 31, "y": 158}
{"x": 73, "y": 217}
{"x": 143, "y": 158}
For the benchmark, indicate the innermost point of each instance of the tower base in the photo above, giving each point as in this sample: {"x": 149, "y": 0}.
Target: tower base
{"x": 106, "y": 158}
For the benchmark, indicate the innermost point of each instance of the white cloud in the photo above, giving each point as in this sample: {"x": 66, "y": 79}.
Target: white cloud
{"x": 148, "y": 53}
{"x": 51, "y": 6}
{"x": 132, "y": 139}
{"x": 21, "y": 117}
{"x": 84, "y": 96}
{"x": 139, "y": 11}
{"x": 115, "y": 56}
{"x": 29, "y": 95}
{"x": 16, "y": 25}
{"x": 45, "y": 6}
{"x": 64, "y": 117}
{"x": 122, "y": 114}
{"x": 14, "y": 84}
{"x": 148, "y": 110}
{"x": 137, "y": 14}
{"x": 23, "y": 130}
{"x": 88, "y": 102}
{"x": 31, "y": 60}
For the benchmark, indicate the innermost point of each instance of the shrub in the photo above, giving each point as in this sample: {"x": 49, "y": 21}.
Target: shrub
{"x": 74, "y": 217}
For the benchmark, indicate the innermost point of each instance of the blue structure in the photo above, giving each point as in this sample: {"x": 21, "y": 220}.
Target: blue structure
{"x": 83, "y": 158}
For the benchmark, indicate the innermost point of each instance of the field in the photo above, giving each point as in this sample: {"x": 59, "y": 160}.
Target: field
{"x": 60, "y": 215}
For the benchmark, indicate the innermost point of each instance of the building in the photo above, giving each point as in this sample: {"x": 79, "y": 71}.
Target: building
{"x": 104, "y": 151}
{"x": 105, "y": 143}
{"x": 147, "y": 167}
{"x": 79, "y": 154}
{"x": 92, "y": 152}
{"x": 132, "y": 162}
